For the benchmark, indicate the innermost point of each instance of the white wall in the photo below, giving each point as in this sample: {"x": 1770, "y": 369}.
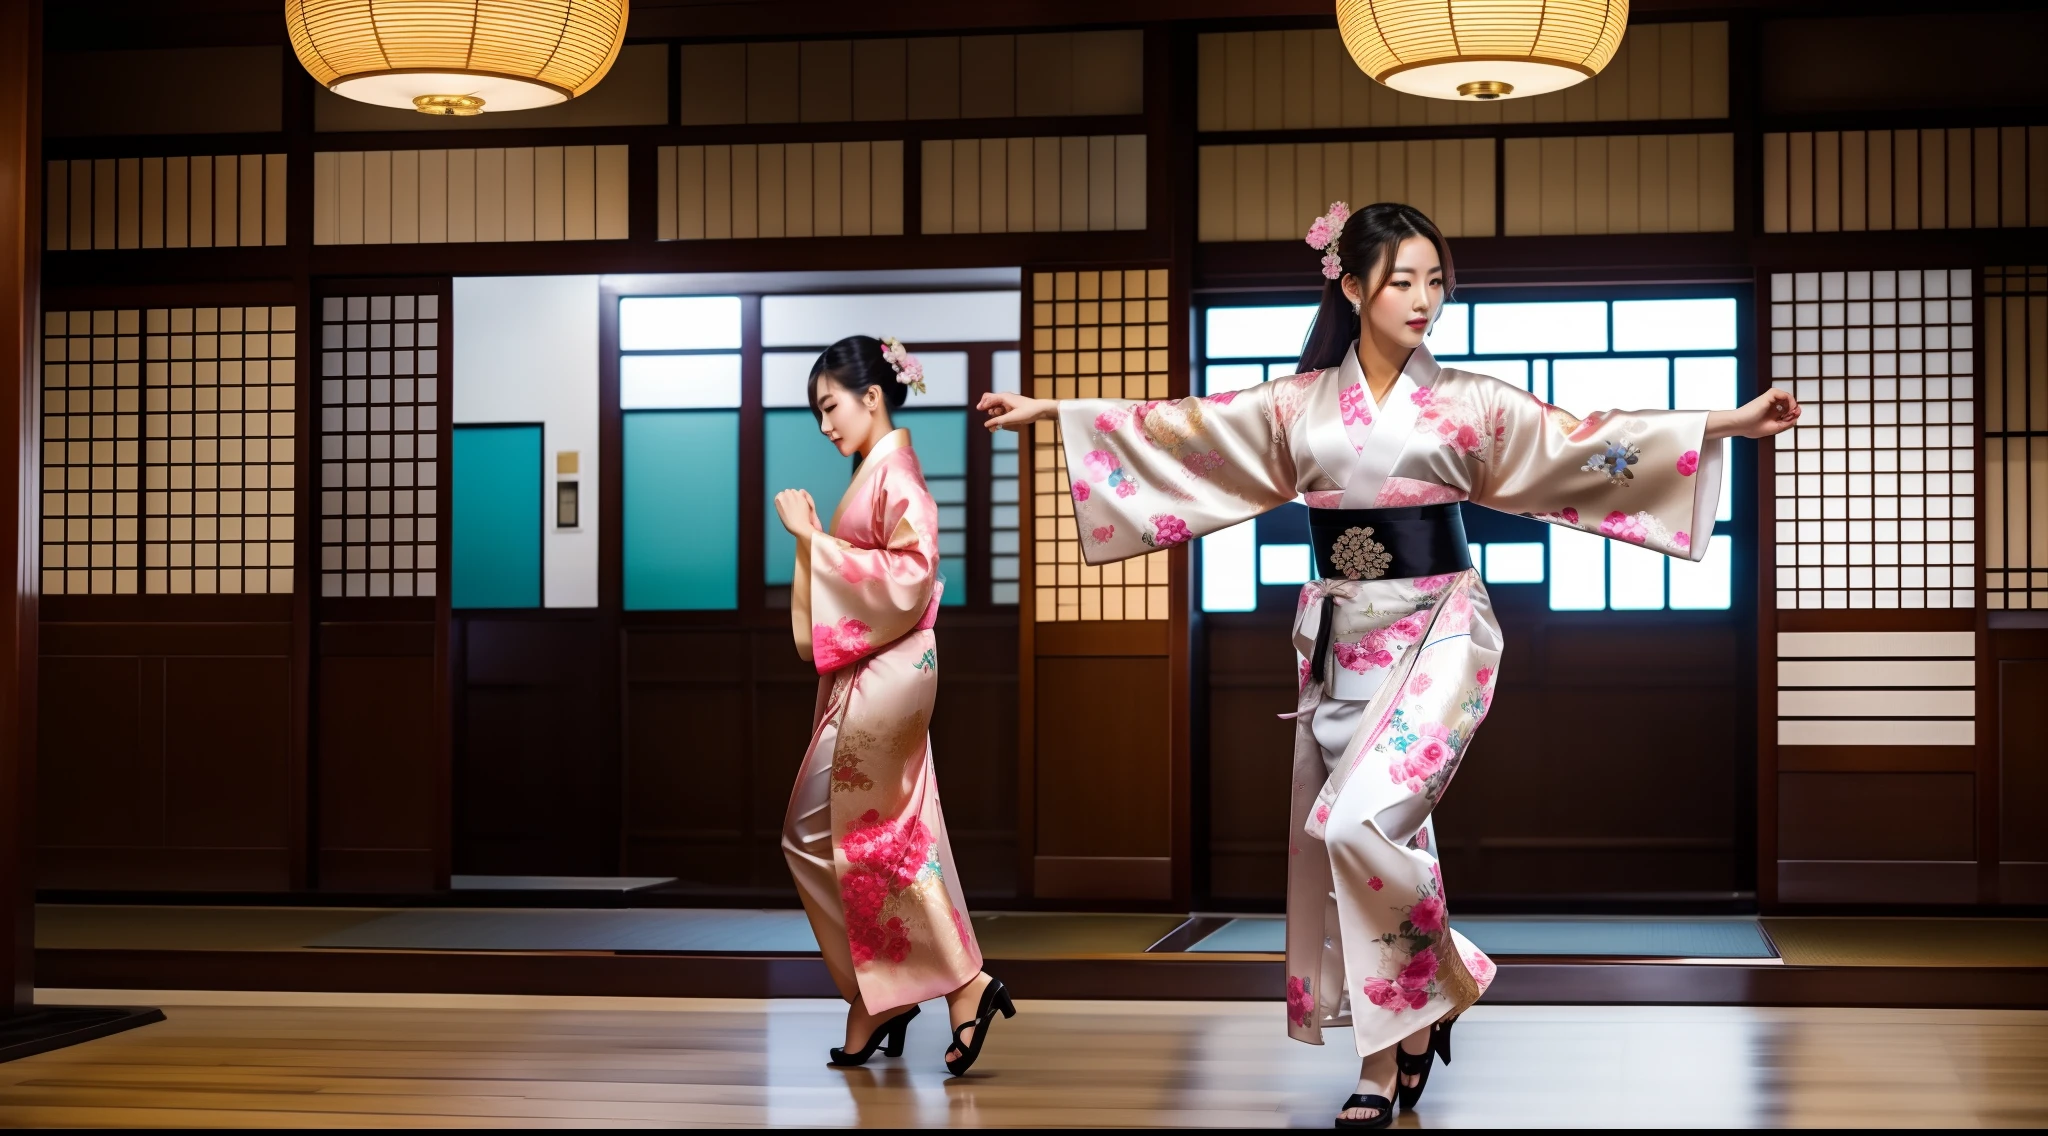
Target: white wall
{"x": 526, "y": 351}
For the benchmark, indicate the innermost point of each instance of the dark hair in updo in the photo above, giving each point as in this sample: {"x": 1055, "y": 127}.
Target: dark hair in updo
{"x": 856, "y": 363}
{"x": 1366, "y": 247}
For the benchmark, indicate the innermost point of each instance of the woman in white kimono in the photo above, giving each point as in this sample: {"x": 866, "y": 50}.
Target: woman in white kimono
{"x": 1398, "y": 646}
{"x": 865, "y": 836}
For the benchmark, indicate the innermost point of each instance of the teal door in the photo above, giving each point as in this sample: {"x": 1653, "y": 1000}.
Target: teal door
{"x": 498, "y": 517}
{"x": 682, "y": 510}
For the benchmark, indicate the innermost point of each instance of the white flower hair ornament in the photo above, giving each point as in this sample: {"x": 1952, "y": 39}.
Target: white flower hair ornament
{"x": 908, "y": 370}
{"x": 1323, "y": 234}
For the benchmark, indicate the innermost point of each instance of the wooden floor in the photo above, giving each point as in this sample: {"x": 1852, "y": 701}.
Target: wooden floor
{"x": 452, "y": 1060}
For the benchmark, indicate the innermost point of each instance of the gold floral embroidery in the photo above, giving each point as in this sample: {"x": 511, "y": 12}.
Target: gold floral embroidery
{"x": 1359, "y": 556}
{"x": 1171, "y": 425}
{"x": 846, "y": 758}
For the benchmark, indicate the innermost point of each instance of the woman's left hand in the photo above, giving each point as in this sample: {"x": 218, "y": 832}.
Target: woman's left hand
{"x": 798, "y": 512}
{"x": 1772, "y": 412}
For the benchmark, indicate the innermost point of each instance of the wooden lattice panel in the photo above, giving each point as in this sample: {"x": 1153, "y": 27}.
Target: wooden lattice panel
{"x": 1095, "y": 334}
{"x": 380, "y": 383}
{"x": 2016, "y": 437}
{"x": 1876, "y": 500}
{"x": 91, "y": 415}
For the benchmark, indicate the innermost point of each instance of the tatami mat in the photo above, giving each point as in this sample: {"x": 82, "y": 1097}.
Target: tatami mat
{"x": 1508, "y": 936}
{"x": 1940, "y": 941}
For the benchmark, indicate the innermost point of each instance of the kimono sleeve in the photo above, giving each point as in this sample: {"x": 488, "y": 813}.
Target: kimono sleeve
{"x": 863, "y": 599}
{"x": 1150, "y": 475}
{"x": 1648, "y": 477}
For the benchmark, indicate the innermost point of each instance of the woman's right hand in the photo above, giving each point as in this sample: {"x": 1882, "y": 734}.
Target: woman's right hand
{"x": 1010, "y": 411}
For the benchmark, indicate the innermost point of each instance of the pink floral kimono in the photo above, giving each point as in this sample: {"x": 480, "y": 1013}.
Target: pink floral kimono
{"x": 864, "y": 835}
{"x": 1411, "y": 663}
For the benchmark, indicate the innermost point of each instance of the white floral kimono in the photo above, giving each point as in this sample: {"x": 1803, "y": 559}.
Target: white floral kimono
{"x": 1412, "y": 661}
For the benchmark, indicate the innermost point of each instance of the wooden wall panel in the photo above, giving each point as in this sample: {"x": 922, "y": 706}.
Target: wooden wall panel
{"x": 546, "y": 193}
{"x": 931, "y": 77}
{"x": 2023, "y": 778}
{"x": 180, "y": 202}
{"x": 795, "y": 189}
{"x": 1272, "y": 192}
{"x": 377, "y": 761}
{"x": 1681, "y": 183}
{"x": 1856, "y": 180}
{"x": 165, "y": 763}
{"x": 1286, "y": 80}
{"x": 533, "y": 793}
{"x": 995, "y": 185}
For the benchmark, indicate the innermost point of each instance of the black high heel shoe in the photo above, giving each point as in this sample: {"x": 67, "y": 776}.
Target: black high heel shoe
{"x": 1418, "y": 1065}
{"x": 889, "y": 1035}
{"x": 994, "y": 997}
{"x": 1361, "y": 1100}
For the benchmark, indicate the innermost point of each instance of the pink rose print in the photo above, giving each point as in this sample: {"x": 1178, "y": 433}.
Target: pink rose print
{"x": 835, "y": 645}
{"x": 1418, "y": 972}
{"x": 1388, "y": 996}
{"x": 1467, "y": 439}
{"x": 1398, "y": 493}
{"x": 1423, "y": 397}
{"x": 1681, "y": 541}
{"x": 1168, "y": 530}
{"x": 1621, "y": 526}
{"x": 1299, "y": 1004}
{"x": 1202, "y": 465}
{"x": 1109, "y": 420}
{"x": 1126, "y": 487}
{"x": 1420, "y": 683}
{"x": 1102, "y": 534}
{"x": 863, "y": 894}
{"x": 1481, "y": 968}
{"x": 1306, "y": 667}
{"x": 1571, "y": 516}
{"x": 1428, "y": 916}
{"x": 1322, "y": 814}
{"x": 1485, "y": 675}
{"x": 850, "y": 570}
{"x": 1688, "y": 463}
{"x": 960, "y": 928}
{"x": 1351, "y": 404}
{"x": 1433, "y": 583}
{"x": 1375, "y": 883}
{"x": 1080, "y": 491}
{"x": 895, "y": 852}
{"x": 1363, "y": 656}
{"x": 1223, "y": 399}
{"x": 1100, "y": 463}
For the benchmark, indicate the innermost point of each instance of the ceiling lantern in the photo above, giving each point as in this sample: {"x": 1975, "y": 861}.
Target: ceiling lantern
{"x": 457, "y": 56}
{"x": 1481, "y": 49}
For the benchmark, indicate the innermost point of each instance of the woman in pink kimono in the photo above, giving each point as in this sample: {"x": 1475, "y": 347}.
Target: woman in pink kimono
{"x": 1398, "y": 647}
{"x": 865, "y": 836}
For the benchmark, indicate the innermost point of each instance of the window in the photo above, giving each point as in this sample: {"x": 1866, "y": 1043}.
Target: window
{"x": 379, "y": 404}
{"x": 1582, "y": 354}
{"x": 497, "y": 517}
{"x": 683, "y": 380}
{"x": 679, "y": 391}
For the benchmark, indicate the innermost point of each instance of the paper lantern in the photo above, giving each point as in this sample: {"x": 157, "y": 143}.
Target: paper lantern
{"x": 1481, "y": 49}
{"x": 457, "y": 56}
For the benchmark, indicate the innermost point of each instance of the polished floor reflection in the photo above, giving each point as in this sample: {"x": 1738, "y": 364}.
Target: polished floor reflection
{"x": 410, "y": 1060}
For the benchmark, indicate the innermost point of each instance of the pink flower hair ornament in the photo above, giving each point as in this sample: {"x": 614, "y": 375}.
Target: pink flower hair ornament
{"x": 908, "y": 370}
{"x": 1323, "y": 234}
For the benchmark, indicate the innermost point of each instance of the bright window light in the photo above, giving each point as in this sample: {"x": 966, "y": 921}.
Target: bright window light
{"x": 1578, "y": 570}
{"x": 1514, "y": 563}
{"x": 1703, "y": 383}
{"x": 1528, "y": 329}
{"x": 1452, "y": 334}
{"x": 1220, "y": 377}
{"x": 1583, "y": 386}
{"x": 913, "y": 317}
{"x": 1230, "y": 579}
{"x": 1243, "y": 333}
{"x": 1514, "y": 371}
{"x": 785, "y": 377}
{"x": 1637, "y": 582}
{"x": 679, "y": 323}
{"x": 678, "y": 382}
{"x": 1479, "y": 559}
{"x": 1707, "y": 585}
{"x": 1282, "y": 370}
{"x": 1284, "y": 564}
{"x": 1009, "y": 374}
{"x": 1674, "y": 325}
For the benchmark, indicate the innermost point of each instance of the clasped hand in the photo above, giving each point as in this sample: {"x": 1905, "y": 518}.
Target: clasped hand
{"x": 799, "y": 514}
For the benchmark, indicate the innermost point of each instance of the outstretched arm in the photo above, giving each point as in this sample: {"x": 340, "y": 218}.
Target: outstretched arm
{"x": 1772, "y": 412}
